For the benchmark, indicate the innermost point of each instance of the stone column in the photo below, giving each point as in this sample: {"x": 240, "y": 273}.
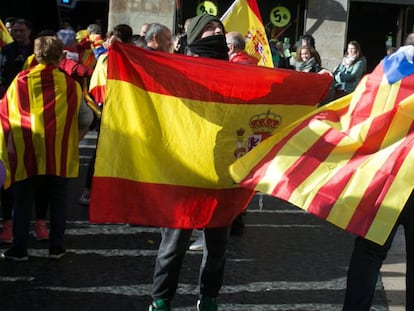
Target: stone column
{"x": 137, "y": 12}
{"x": 326, "y": 20}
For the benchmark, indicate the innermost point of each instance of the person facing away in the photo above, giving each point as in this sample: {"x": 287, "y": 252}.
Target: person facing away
{"x": 237, "y": 45}
{"x": 205, "y": 39}
{"x": 349, "y": 72}
{"x": 368, "y": 257}
{"x": 78, "y": 72}
{"x": 158, "y": 38}
{"x": 64, "y": 118}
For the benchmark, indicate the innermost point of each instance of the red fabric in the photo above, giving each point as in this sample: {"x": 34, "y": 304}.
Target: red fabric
{"x": 243, "y": 58}
{"x": 75, "y": 69}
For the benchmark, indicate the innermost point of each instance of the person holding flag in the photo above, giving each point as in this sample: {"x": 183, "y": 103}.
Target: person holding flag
{"x": 367, "y": 256}
{"x": 205, "y": 37}
{"x": 350, "y": 162}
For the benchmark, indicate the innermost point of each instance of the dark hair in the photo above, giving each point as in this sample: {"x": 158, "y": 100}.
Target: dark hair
{"x": 139, "y": 40}
{"x": 357, "y": 47}
{"x": 123, "y": 32}
{"x": 46, "y": 32}
{"x": 309, "y": 39}
{"x": 24, "y": 21}
{"x": 10, "y": 20}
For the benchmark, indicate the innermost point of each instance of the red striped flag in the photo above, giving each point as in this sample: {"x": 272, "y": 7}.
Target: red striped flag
{"x": 172, "y": 124}
{"x": 349, "y": 162}
{"x": 40, "y": 125}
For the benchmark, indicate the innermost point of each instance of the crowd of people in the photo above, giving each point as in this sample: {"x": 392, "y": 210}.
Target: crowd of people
{"x": 77, "y": 61}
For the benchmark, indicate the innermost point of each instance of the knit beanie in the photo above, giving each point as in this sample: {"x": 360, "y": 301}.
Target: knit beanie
{"x": 197, "y": 25}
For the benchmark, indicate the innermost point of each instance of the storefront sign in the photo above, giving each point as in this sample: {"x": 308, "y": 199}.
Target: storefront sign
{"x": 280, "y": 16}
{"x": 208, "y": 7}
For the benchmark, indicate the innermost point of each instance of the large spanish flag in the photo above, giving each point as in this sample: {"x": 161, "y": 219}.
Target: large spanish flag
{"x": 350, "y": 162}
{"x": 5, "y": 37}
{"x": 171, "y": 126}
{"x": 244, "y": 16}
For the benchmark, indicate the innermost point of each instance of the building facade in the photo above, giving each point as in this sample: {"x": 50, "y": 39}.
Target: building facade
{"x": 375, "y": 24}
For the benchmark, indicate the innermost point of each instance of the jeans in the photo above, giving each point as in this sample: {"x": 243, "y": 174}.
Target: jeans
{"x": 52, "y": 189}
{"x": 367, "y": 259}
{"x": 174, "y": 244}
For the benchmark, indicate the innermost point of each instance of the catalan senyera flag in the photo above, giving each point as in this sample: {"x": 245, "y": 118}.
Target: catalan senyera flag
{"x": 171, "y": 126}
{"x": 244, "y": 16}
{"x": 5, "y": 37}
{"x": 39, "y": 126}
{"x": 351, "y": 162}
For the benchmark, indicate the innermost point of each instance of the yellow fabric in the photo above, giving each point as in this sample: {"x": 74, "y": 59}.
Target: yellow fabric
{"x": 276, "y": 172}
{"x": 35, "y": 117}
{"x": 172, "y": 142}
{"x": 5, "y": 37}
{"x": 239, "y": 17}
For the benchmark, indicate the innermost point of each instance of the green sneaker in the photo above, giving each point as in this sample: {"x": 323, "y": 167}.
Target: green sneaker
{"x": 160, "y": 305}
{"x": 207, "y": 304}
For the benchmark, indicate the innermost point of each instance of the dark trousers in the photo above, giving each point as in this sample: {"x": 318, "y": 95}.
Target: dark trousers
{"x": 170, "y": 257}
{"x": 41, "y": 205}
{"x": 53, "y": 190}
{"x": 366, "y": 262}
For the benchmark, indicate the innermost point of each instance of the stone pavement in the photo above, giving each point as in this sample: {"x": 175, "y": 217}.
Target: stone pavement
{"x": 287, "y": 260}
{"x": 393, "y": 273}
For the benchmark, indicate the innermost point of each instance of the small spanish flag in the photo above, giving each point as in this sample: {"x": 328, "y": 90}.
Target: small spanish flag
{"x": 244, "y": 16}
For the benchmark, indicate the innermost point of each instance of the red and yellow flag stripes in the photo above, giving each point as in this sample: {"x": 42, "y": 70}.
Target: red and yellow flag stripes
{"x": 244, "y": 16}
{"x": 5, "y": 37}
{"x": 40, "y": 125}
{"x": 171, "y": 126}
{"x": 97, "y": 84}
{"x": 349, "y": 162}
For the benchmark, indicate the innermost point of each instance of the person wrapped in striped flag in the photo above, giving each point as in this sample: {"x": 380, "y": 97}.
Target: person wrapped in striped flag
{"x": 43, "y": 117}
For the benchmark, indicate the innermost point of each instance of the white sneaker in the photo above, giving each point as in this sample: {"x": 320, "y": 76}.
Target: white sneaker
{"x": 197, "y": 245}
{"x": 195, "y": 235}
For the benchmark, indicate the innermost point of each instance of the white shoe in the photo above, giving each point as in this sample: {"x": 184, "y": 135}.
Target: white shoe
{"x": 197, "y": 245}
{"x": 196, "y": 234}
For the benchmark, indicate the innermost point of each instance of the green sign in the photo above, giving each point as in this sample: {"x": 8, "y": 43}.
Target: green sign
{"x": 207, "y": 7}
{"x": 280, "y": 16}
